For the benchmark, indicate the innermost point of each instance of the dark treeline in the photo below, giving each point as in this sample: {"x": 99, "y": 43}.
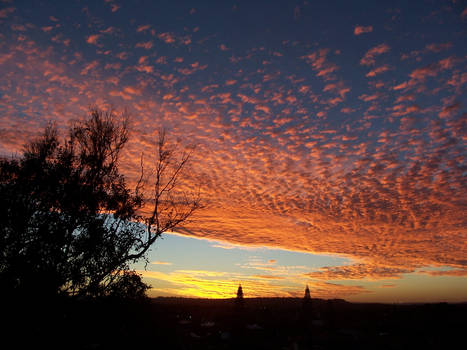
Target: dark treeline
{"x": 294, "y": 323}
{"x": 258, "y": 323}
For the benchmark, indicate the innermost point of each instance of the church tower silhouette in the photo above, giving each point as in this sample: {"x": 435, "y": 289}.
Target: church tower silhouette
{"x": 307, "y": 293}
{"x": 239, "y": 293}
{"x": 239, "y": 299}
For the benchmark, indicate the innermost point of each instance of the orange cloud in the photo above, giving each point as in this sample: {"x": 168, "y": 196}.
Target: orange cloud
{"x": 213, "y": 284}
{"x": 358, "y": 271}
{"x": 452, "y": 272}
{"x": 327, "y": 290}
{"x": 358, "y": 30}
{"x": 88, "y": 67}
{"x": 320, "y": 64}
{"x": 369, "y": 58}
{"x": 93, "y": 39}
{"x": 6, "y": 11}
{"x": 143, "y": 28}
{"x": 168, "y": 38}
{"x": 144, "y": 45}
{"x": 279, "y": 165}
{"x": 161, "y": 263}
{"x": 438, "y": 47}
{"x": 377, "y": 71}
{"x": 271, "y": 277}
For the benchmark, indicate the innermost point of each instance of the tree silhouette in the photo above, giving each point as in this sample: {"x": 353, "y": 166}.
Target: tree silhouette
{"x": 69, "y": 224}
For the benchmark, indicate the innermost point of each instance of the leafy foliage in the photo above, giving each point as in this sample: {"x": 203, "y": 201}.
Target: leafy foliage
{"x": 69, "y": 222}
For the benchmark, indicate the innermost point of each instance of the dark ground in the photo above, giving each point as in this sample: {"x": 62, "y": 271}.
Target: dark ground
{"x": 272, "y": 323}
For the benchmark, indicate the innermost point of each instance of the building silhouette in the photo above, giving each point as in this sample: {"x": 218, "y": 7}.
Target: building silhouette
{"x": 239, "y": 302}
{"x": 240, "y": 293}
{"x": 307, "y": 301}
{"x": 307, "y": 293}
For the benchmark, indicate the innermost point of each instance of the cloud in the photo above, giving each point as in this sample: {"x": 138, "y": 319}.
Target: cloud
{"x": 358, "y": 30}
{"x": 425, "y": 72}
{"x": 229, "y": 246}
{"x": 358, "y": 271}
{"x": 271, "y": 277}
{"x": 168, "y": 38}
{"x": 369, "y": 58}
{"x": 93, "y": 39}
{"x": 214, "y": 284}
{"x": 377, "y": 71}
{"x": 450, "y": 272}
{"x": 143, "y": 28}
{"x": 369, "y": 98}
{"x": 144, "y": 45}
{"x": 88, "y": 67}
{"x": 6, "y": 11}
{"x": 115, "y": 7}
{"x": 332, "y": 291}
{"x": 210, "y": 284}
{"x": 318, "y": 61}
{"x": 400, "y": 86}
{"x": 161, "y": 263}
{"x": 438, "y": 47}
{"x": 303, "y": 153}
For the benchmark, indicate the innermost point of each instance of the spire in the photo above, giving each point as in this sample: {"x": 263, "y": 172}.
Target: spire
{"x": 240, "y": 292}
{"x": 307, "y": 293}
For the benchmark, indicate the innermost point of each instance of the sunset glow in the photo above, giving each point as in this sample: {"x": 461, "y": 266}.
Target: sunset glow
{"x": 330, "y": 135}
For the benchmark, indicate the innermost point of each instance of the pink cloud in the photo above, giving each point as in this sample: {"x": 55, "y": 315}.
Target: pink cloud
{"x": 368, "y": 98}
{"x": 438, "y": 47}
{"x": 143, "y": 28}
{"x": 358, "y": 30}
{"x": 89, "y": 67}
{"x": 424, "y": 72}
{"x": 320, "y": 64}
{"x": 400, "y": 86}
{"x": 377, "y": 71}
{"x": 369, "y": 57}
{"x": 168, "y": 38}
{"x": 447, "y": 111}
{"x": 92, "y": 39}
{"x": 358, "y": 271}
{"x": 6, "y": 11}
{"x": 145, "y": 68}
{"x": 144, "y": 45}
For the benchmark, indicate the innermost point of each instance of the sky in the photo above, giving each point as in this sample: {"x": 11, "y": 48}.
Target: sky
{"x": 330, "y": 135}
